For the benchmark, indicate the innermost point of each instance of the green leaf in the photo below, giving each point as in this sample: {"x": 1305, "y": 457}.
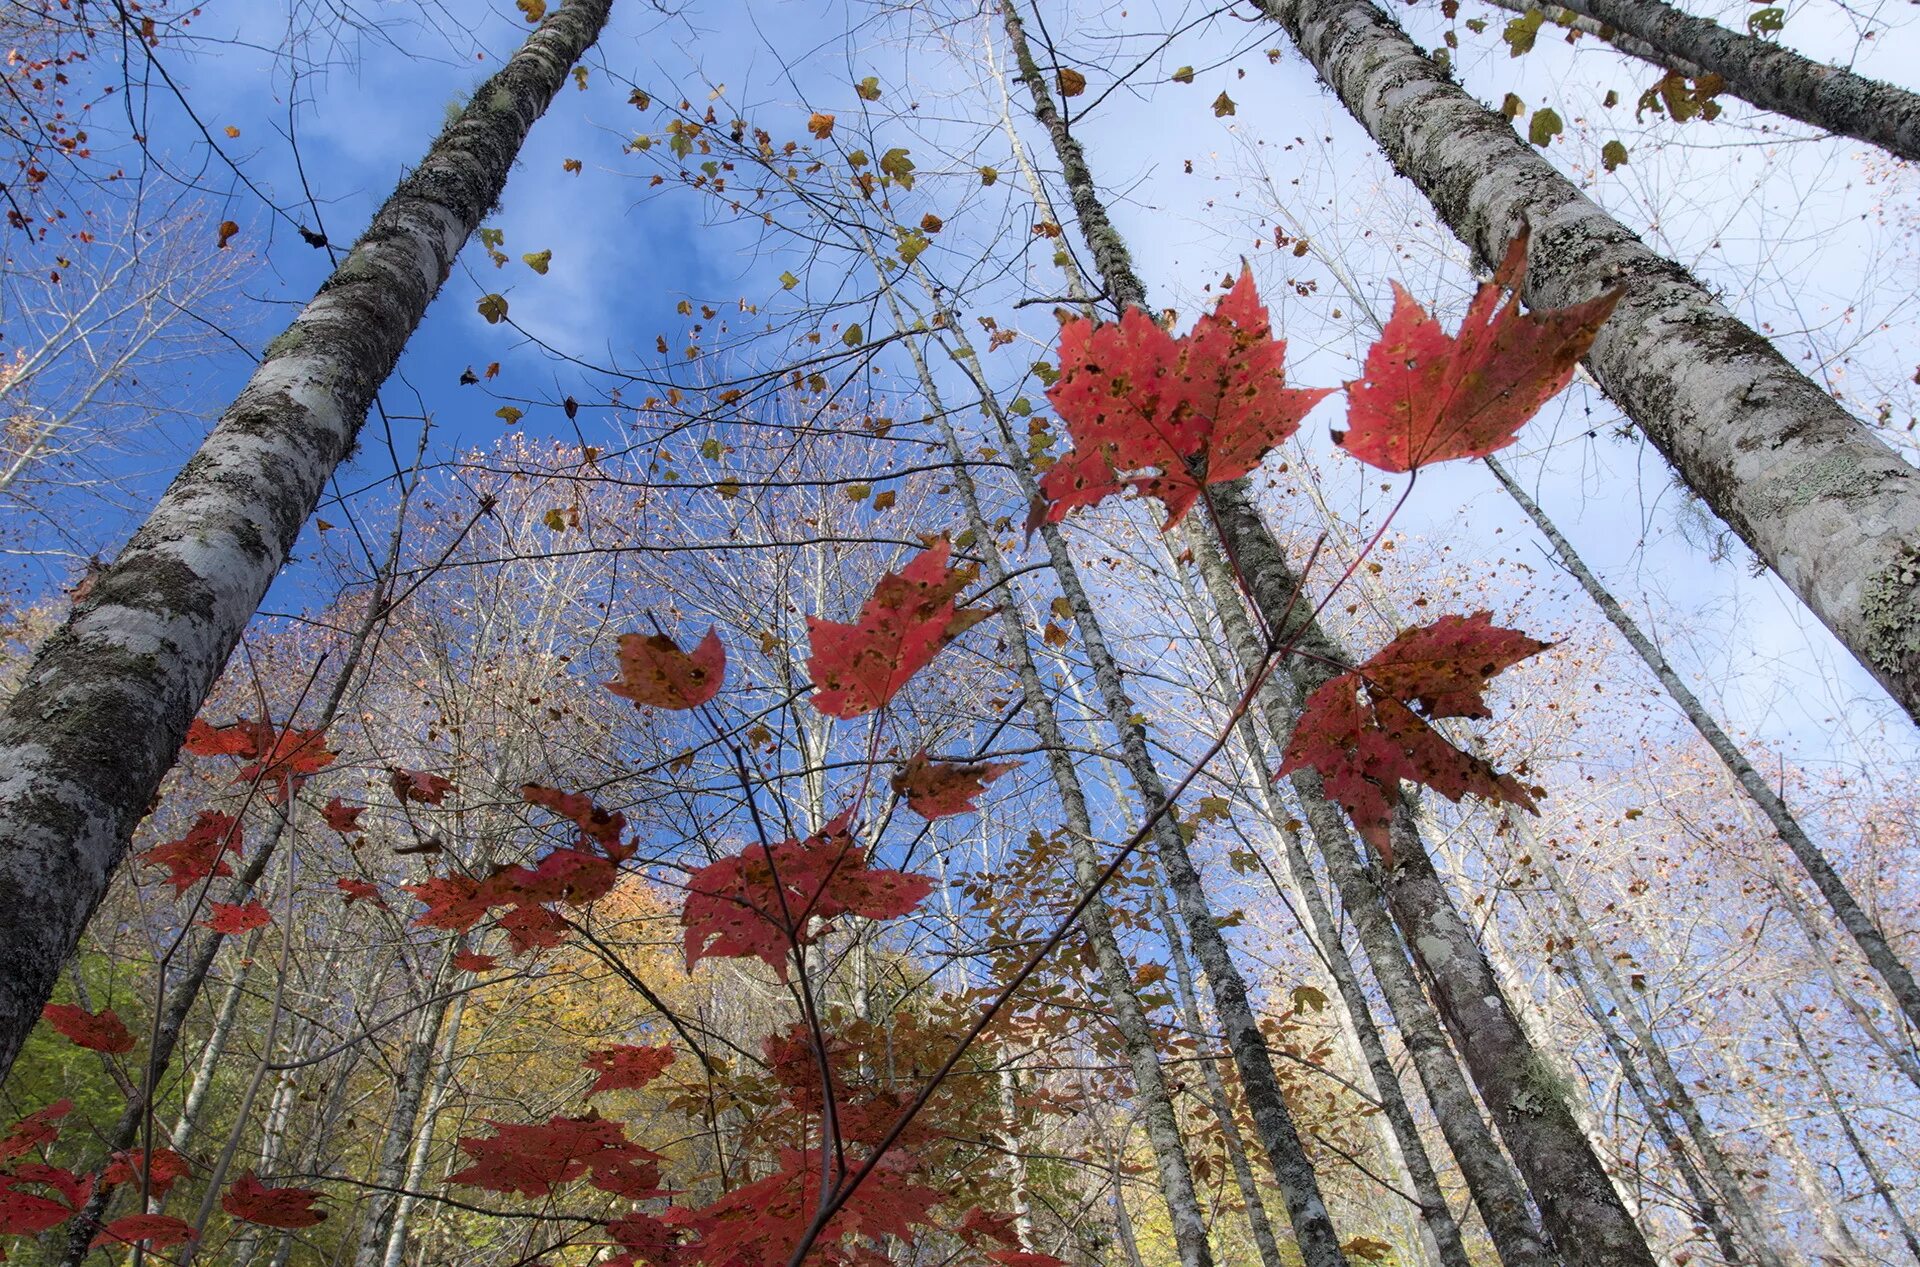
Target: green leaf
{"x": 710, "y": 449}
{"x": 508, "y": 414}
{"x": 1308, "y": 999}
{"x": 853, "y": 336}
{"x": 1766, "y": 21}
{"x": 493, "y": 308}
{"x": 1522, "y": 31}
{"x": 857, "y": 492}
{"x": 1612, "y": 154}
{"x": 1223, "y": 106}
{"x": 868, "y": 88}
{"x": 896, "y": 164}
{"x": 1020, "y": 407}
{"x": 788, "y": 281}
{"x": 989, "y": 175}
{"x": 1184, "y": 75}
{"x": 1543, "y": 127}
{"x": 1513, "y": 107}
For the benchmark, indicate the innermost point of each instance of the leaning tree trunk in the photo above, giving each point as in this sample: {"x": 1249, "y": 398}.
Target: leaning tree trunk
{"x": 1561, "y": 16}
{"x": 1818, "y": 497}
{"x": 1116, "y": 975}
{"x": 102, "y": 710}
{"x": 1846, "y": 908}
{"x": 1768, "y": 75}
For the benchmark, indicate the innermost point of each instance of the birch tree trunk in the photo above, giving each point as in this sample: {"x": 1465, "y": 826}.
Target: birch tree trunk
{"x": 1817, "y": 496}
{"x": 102, "y": 710}
{"x": 396, "y": 1145}
{"x": 423, "y": 1137}
{"x": 1846, "y": 908}
{"x": 1562, "y": 16}
{"x": 1769, "y": 75}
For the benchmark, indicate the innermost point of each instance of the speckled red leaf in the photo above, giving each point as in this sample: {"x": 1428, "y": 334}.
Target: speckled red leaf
{"x": 284, "y": 757}
{"x": 168, "y": 1169}
{"x": 624, "y": 1068}
{"x": 654, "y": 671}
{"x": 939, "y": 789}
{"x": 416, "y": 785}
{"x": 35, "y": 1130}
{"x": 342, "y": 817}
{"x": 286, "y": 1208}
{"x": 157, "y": 1230}
{"x": 198, "y": 854}
{"x": 735, "y": 909}
{"x": 96, "y": 1031}
{"x": 231, "y": 917}
{"x": 25, "y": 1213}
{"x": 646, "y": 1240}
{"x": 1162, "y": 415}
{"x": 1369, "y": 728}
{"x": 1425, "y": 396}
{"x": 533, "y": 1159}
{"x": 599, "y": 826}
{"x": 760, "y": 1222}
{"x": 357, "y": 890}
{"x": 857, "y": 668}
{"x": 473, "y": 961}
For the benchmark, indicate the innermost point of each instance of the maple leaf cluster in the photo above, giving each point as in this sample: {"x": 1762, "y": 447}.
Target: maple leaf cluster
{"x": 940, "y": 789}
{"x": 533, "y": 1159}
{"x": 200, "y": 854}
{"x": 285, "y": 756}
{"x": 767, "y": 900}
{"x": 1367, "y": 729}
{"x": 35, "y": 1196}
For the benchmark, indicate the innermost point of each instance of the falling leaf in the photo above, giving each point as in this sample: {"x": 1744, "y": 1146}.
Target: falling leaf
{"x": 167, "y": 1169}
{"x": 580, "y": 78}
{"x": 414, "y": 785}
{"x": 623, "y": 1068}
{"x": 232, "y": 131}
{"x": 493, "y": 369}
{"x": 1512, "y": 106}
{"x": 341, "y": 816}
{"x": 1183, "y": 76}
{"x": 853, "y": 335}
{"x": 1612, "y": 155}
{"x": 227, "y": 229}
{"x": 533, "y": 9}
{"x": 788, "y": 281}
{"x": 1426, "y": 396}
{"x": 493, "y": 308}
{"x": 96, "y": 1031}
{"x": 655, "y": 672}
{"x": 198, "y": 854}
{"x": 1071, "y": 82}
{"x": 1543, "y": 127}
{"x": 940, "y": 789}
{"x": 1223, "y": 106}
{"x": 571, "y": 165}
{"x": 538, "y": 261}
{"x": 820, "y": 124}
{"x": 286, "y": 1208}
{"x": 230, "y": 918}
{"x": 1162, "y": 415}
{"x": 472, "y": 961}
{"x": 989, "y": 175}
{"x": 911, "y": 615}
{"x": 868, "y": 88}
{"x": 1369, "y": 728}
{"x": 354, "y": 890}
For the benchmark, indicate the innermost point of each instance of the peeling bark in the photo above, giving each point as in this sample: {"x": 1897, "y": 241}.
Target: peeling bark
{"x": 103, "y": 708}
{"x": 1817, "y": 496}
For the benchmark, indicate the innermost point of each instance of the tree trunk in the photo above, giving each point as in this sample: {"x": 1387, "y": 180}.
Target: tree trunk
{"x": 396, "y": 1145}
{"x": 1561, "y": 16}
{"x": 423, "y": 1138}
{"x": 1865, "y": 933}
{"x": 1818, "y": 497}
{"x": 1769, "y": 75}
{"x": 103, "y": 708}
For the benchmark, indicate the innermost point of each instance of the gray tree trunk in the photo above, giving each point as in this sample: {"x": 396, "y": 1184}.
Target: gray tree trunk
{"x": 1817, "y": 496}
{"x": 1562, "y": 16}
{"x": 396, "y": 1145}
{"x": 1769, "y": 75}
{"x": 102, "y": 710}
{"x": 423, "y": 1137}
{"x": 1865, "y": 933}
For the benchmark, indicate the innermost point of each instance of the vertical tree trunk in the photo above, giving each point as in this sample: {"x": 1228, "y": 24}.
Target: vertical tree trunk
{"x": 1769, "y": 75}
{"x": 423, "y": 1137}
{"x": 101, "y": 711}
{"x": 396, "y": 1144}
{"x": 1830, "y": 508}
{"x": 1846, "y": 908}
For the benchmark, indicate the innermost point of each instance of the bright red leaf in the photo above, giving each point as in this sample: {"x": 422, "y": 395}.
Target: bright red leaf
{"x": 645, "y": 1239}
{"x": 414, "y": 785}
{"x": 1369, "y": 728}
{"x": 342, "y": 817}
{"x": 533, "y": 1159}
{"x": 101, "y": 1031}
{"x": 760, "y": 1222}
{"x": 286, "y": 757}
{"x": 624, "y": 1068}
{"x": 597, "y": 826}
{"x": 735, "y": 908}
{"x": 1022, "y": 1258}
{"x": 198, "y": 854}
{"x": 654, "y": 671}
{"x": 356, "y": 890}
{"x": 1425, "y": 396}
{"x": 1162, "y": 415}
{"x": 939, "y": 789}
{"x": 474, "y": 961}
{"x": 859, "y": 667}
{"x": 230, "y": 917}
{"x": 157, "y": 1230}
{"x": 168, "y": 1169}
{"x": 284, "y": 1208}
{"x": 24, "y": 1213}
{"x": 35, "y": 1130}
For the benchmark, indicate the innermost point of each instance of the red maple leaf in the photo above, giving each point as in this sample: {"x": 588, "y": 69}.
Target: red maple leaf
{"x": 96, "y": 1031}
{"x": 24, "y": 1213}
{"x": 735, "y": 908}
{"x": 453, "y": 902}
{"x": 645, "y": 1239}
{"x": 35, "y": 1130}
{"x": 940, "y": 789}
{"x": 597, "y": 826}
{"x": 1024, "y": 1258}
{"x": 473, "y": 961}
{"x": 624, "y": 1068}
{"x": 287, "y": 756}
{"x": 911, "y": 615}
{"x": 157, "y": 1230}
{"x": 199, "y": 853}
{"x": 167, "y": 1169}
{"x": 342, "y": 817}
{"x": 655, "y": 672}
{"x": 414, "y": 785}
{"x": 284, "y": 1208}
{"x": 230, "y": 917}
{"x": 243, "y": 738}
{"x": 356, "y": 890}
{"x": 1163, "y": 415}
{"x": 1369, "y": 728}
{"x": 1425, "y": 396}
{"x": 532, "y": 1159}
{"x": 759, "y": 1223}
{"x": 531, "y": 927}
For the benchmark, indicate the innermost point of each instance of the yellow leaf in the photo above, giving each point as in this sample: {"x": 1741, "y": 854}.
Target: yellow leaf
{"x": 580, "y": 77}
{"x": 1062, "y": 609}
{"x": 232, "y": 131}
{"x": 1308, "y": 999}
{"x": 538, "y": 261}
{"x": 853, "y": 335}
{"x": 820, "y": 124}
{"x": 857, "y": 492}
{"x": 493, "y": 308}
{"x": 508, "y": 414}
{"x": 710, "y": 449}
{"x": 868, "y": 88}
{"x": 534, "y": 9}
{"x": 788, "y": 281}
{"x": 570, "y": 165}
{"x": 1184, "y": 75}
{"x": 896, "y": 164}
{"x": 1072, "y": 82}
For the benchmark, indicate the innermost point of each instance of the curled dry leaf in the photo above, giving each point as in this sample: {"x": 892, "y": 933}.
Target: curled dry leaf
{"x": 940, "y": 789}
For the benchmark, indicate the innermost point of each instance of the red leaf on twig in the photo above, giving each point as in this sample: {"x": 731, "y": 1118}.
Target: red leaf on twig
{"x": 285, "y": 1208}
{"x": 157, "y": 1230}
{"x": 857, "y": 668}
{"x": 655, "y": 672}
{"x": 939, "y": 789}
{"x": 230, "y": 918}
{"x": 624, "y": 1068}
{"x": 199, "y": 853}
{"x": 96, "y": 1031}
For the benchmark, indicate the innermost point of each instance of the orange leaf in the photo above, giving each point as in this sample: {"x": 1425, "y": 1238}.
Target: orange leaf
{"x": 1426, "y": 396}
{"x": 939, "y": 789}
{"x": 227, "y": 229}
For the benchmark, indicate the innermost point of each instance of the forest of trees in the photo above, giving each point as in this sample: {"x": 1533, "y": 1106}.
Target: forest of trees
{"x": 1040, "y": 634}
